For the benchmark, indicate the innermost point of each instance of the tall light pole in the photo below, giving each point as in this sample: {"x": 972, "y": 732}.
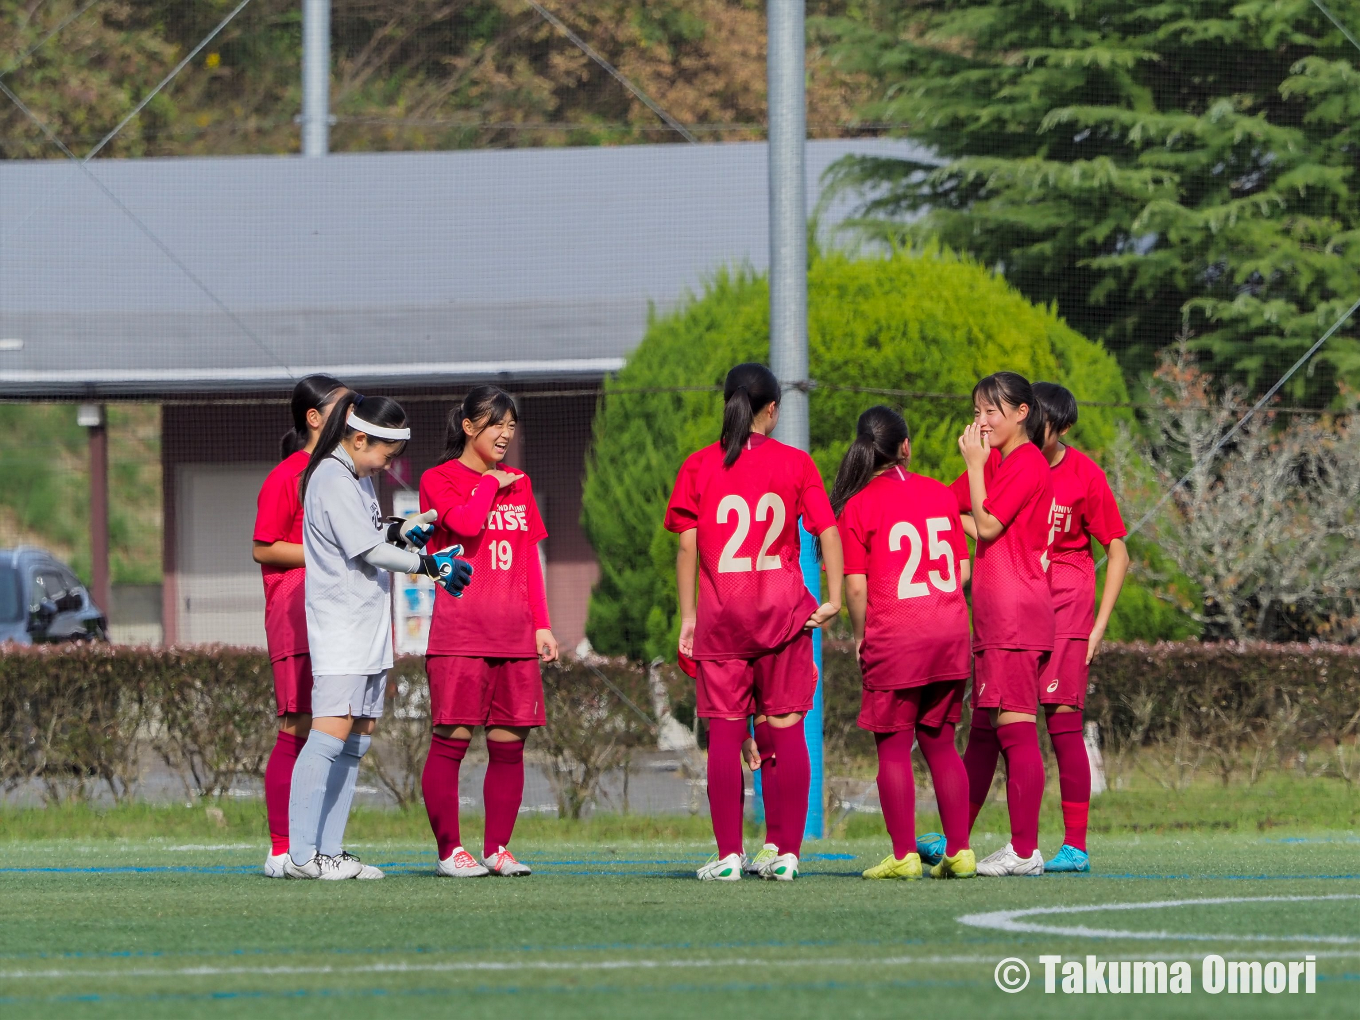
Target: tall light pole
{"x": 786, "y": 43}
{"x": 316, "y": 77}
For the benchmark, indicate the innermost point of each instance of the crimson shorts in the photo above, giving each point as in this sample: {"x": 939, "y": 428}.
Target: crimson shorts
{"x": 471, "y": 691}
{"x": 1066, "y": 674}
{"x": 778, "y": 683}
{"x": 1008, "y": 678}
{"x": 929, "y": 705}
{"x": 293, "y": 684}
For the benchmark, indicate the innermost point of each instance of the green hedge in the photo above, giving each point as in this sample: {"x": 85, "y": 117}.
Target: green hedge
{"x": 922, "y": 322}
{"x": 77, "y": 718}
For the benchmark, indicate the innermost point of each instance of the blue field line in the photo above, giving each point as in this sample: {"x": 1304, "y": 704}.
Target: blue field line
{"x": 552, "y": 989}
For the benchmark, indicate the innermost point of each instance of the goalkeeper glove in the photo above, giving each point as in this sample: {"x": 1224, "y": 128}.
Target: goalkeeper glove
{"x": 445, "y": 567}
{"x": 414, "y": 531}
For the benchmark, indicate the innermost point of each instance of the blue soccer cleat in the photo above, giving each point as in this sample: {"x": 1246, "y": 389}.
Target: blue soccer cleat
{"x": 1069, "y": 859}
{"x": 931, "y": 847}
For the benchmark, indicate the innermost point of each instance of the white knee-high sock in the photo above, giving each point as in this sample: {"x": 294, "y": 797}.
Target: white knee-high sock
{"x": 308, "y": 796}
{"x": 344, "y": 775}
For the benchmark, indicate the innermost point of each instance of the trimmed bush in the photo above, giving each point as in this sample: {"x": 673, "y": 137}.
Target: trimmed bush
{"x": 923, "y": 322}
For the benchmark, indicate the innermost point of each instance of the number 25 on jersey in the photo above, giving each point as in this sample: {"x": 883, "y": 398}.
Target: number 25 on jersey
{"x": 768, "y": 508}
{"x": 907, "y": 585}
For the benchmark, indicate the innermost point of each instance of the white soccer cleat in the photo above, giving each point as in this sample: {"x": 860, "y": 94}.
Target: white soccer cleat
{"x": 312, "y": 869}
{"x": 367, "y": 872}
{"x": 503, "y": 863}
{"x": 721, "y": 869}
{"x": 460, "y": 864}
{"x": 1007, "y": 862}
{"x": 273, "y": 866}
{"x": 780, "y": 868}
{"x": 340, "y": 867}
{"x": 752, "y": 865}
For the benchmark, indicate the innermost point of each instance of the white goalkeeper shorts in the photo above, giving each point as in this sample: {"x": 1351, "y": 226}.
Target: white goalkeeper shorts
{"x": 353, "y": 694}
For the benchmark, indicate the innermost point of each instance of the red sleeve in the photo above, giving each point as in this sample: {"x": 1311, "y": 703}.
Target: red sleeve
{"x": 682, "y": 512}
{"x": 813, "y": 505}
{"x": 964, "y": 498}
{"x": 854, "y": 541}
{"x": 1103, "y": 520}
{"x": 538, "y": 594}
{"x": 276, "y": 509}
{"x": 537, "y": 530}
{"x": 464, "y": 517}
{"x": 1011, "y": 488}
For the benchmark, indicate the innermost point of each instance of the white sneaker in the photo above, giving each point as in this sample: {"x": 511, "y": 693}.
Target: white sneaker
{"x": 725, "y": 869}
{"x": 367, "y": 872}
{"x": 312, "y": 869}
{"x": 273, "y": 866}
{"x": 1007, "y": 862}
{"x": 460, "y": 864}
{"x": 339, "y": 868}
{"x": 503, "y": 863}
{"x": 752, "y": 865}
{"x": 780, "y": 868}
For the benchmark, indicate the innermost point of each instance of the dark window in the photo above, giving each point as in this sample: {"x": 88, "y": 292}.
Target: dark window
{"x": 11, "y": 598}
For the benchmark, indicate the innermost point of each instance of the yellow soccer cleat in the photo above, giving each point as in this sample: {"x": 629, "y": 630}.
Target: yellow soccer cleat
{"x": 909, "y": 867}
{"x": 962, "y": 865}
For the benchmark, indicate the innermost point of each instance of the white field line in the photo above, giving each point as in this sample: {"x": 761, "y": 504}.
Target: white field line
{"x": 493, "y": 966}
{"x": 1011, "y": 921}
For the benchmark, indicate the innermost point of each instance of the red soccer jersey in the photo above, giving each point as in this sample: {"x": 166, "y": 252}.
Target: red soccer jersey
{"x": 1012, "y": 602}
{"x": 278, "y": 518}
{"x": 752, "y": 598}
{"x": 1084, "y": 508}
{"x": 902, "y": 532}
{"x": 499, "y": 530}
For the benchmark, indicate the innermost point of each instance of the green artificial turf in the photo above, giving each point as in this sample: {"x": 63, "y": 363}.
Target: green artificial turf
{"x": 612, "y": 925}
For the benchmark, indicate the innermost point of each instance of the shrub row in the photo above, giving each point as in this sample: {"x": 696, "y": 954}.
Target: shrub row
{"x": 73, "y": 719}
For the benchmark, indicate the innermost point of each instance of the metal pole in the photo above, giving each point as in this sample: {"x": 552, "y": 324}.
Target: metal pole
{"x": 94, "y": 418}
{"x": 788, "y": 295}
{"x": 316, "y": 77}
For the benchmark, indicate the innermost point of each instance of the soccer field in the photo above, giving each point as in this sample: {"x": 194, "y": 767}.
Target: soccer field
{"x": 162, "y": 930}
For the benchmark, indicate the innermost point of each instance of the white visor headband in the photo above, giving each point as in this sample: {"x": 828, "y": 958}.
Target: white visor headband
{"x": 376, "y": 431}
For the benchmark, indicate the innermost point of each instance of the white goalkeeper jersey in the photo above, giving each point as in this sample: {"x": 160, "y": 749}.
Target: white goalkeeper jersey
{"x": 349, "y": 602}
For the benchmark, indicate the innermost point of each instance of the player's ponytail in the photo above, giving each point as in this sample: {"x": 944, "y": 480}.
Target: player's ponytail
{"x": 483, "y": 406}
{"x": 1010, "y": 389}
{"x": 313, "y": 393}
{"x": 382, "y": 411}
{"x": 879, "y": 435}
{"x": 749, "y": 389}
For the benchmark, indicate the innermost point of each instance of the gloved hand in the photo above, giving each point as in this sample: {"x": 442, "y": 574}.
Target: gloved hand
{"x": 413, "y": 531}
{"x": 445, "y": 567}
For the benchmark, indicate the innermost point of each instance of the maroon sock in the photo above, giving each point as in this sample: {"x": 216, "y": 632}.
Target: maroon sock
{"x": 1024, "y": 783}
{"x": 897, "y": 790}
{"x": 1074, "y": 774}
{"x": 769, "y": 781}
{"x": 278, "y": 786}
{"x": 979, "y": 760}
{"x": 502, "y": 791}
{"x": 726, "y": 788}
{"x": 439, "y": 786}
{"x": 951, "y": 784}
{"x": 795, "y": 778}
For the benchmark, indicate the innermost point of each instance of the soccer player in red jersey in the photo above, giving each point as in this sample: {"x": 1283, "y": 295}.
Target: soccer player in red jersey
{"x": 1008, "y": 493}
{"x": 736, "y": 507}
{"x": 483, "y": 655}
{"x": 278, "y": 551}
{"x": 1084, "y": 509}
{"x": 906, "y": 563}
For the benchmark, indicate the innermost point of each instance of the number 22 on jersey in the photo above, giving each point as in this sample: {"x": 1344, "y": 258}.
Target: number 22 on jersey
{"x": 768, "y": 508}
{"x": 907, "y": 585}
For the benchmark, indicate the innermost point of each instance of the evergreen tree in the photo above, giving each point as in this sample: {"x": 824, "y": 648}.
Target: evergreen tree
{"x": 1152, "y": 168}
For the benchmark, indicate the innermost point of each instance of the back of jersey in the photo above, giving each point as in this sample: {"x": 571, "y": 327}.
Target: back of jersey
{"x": 752, "y": 597}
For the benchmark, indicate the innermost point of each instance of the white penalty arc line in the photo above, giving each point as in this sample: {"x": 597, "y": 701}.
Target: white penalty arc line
{"x": 1012, "y": 921}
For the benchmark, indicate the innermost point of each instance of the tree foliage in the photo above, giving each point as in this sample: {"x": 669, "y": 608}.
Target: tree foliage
{"x": 924, "y": 323}
{"x": 1151, "y": 167}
